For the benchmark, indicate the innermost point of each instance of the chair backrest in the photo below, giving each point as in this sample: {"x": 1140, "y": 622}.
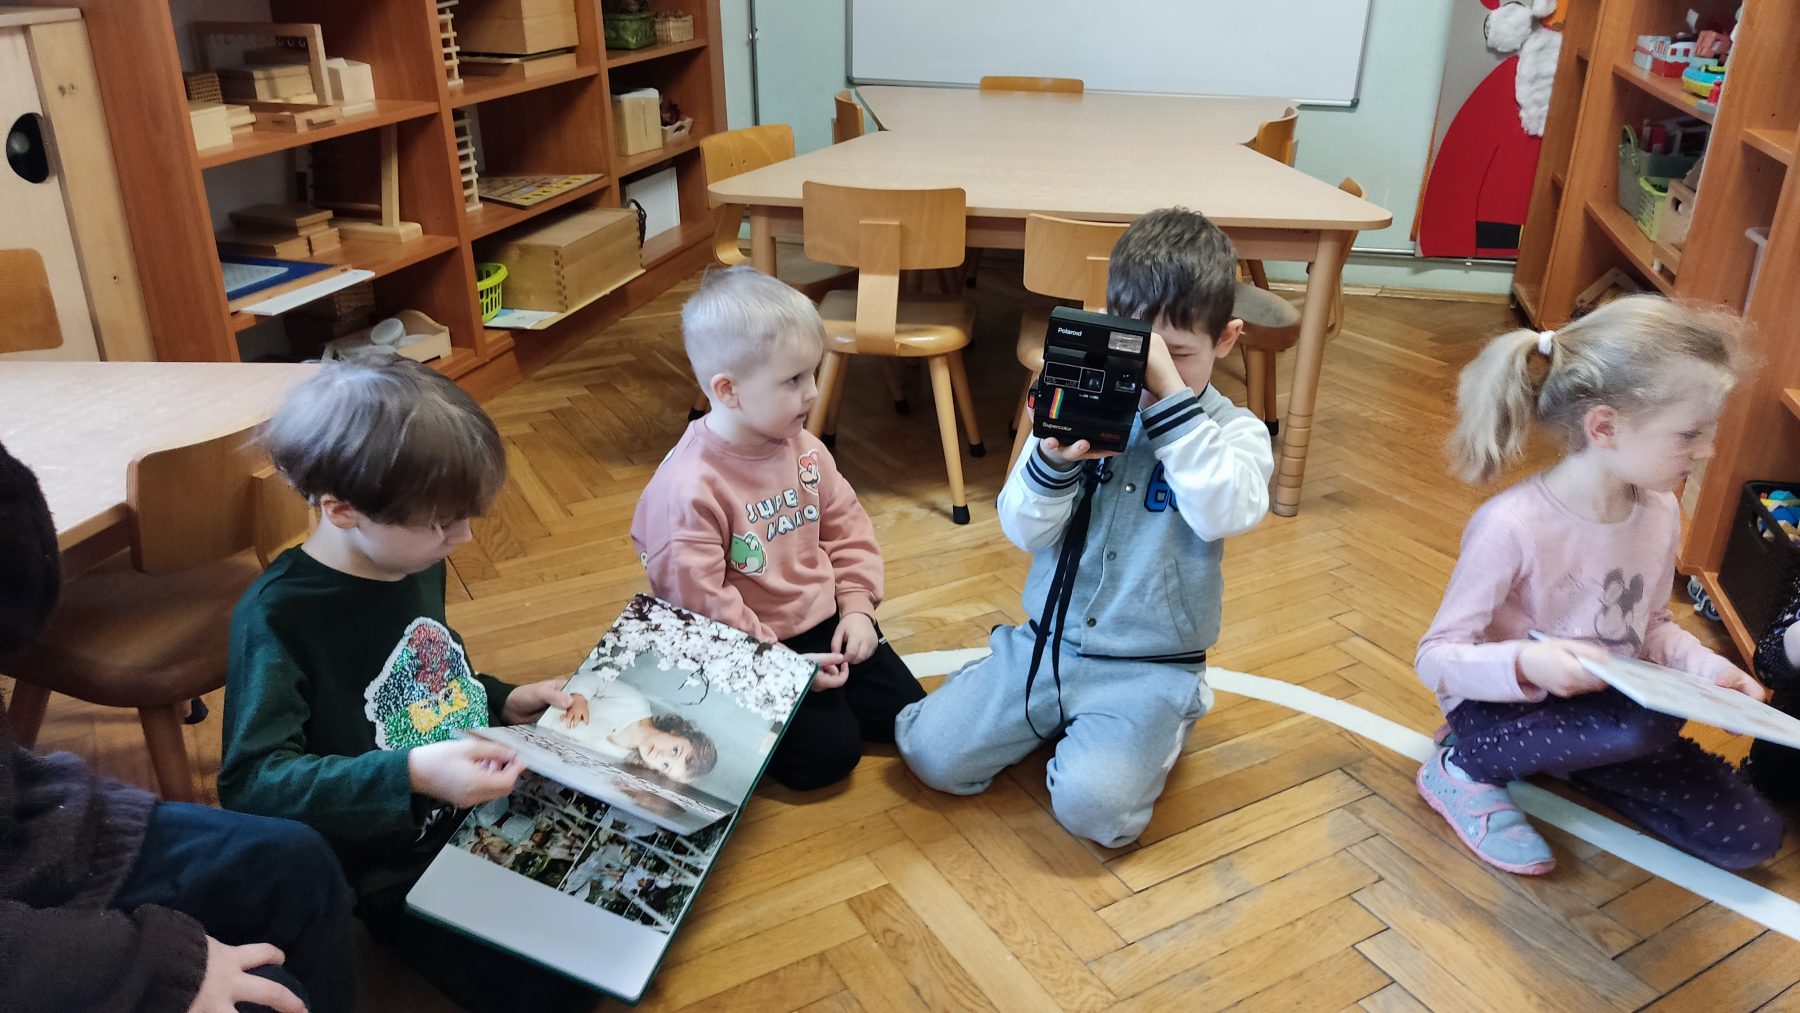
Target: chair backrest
{"x": 734, "y": 153}
{"x": 1060, "y": 85}
{"x": 1275, "y": 138}
{"x": 1067, "y": 259}
{"x": 201, "y": 502}
{"x": 1334, "y": 319}
{"x": 847, "y": 123}
{"x": 881, "y": 233}
{"x": 27, "y": 310}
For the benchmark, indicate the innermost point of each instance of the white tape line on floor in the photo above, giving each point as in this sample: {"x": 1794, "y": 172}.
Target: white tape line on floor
{"x": 1757, "y": 903}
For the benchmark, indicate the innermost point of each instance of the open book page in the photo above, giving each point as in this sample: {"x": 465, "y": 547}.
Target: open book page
{"x": 568, "y": 882}
{"x": 674, "y": 719}
{"x": 1668, "y": 691}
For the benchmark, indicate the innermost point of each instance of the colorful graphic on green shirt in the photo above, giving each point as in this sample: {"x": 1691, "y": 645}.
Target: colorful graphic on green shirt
{"x": 747, "y": 553}
{"x": 425, "y": 691}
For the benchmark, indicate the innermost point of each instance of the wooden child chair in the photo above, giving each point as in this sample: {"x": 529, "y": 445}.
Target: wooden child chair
{"x": 1272, "y": 326}
{"x": 1064, "y": 259}
{"x": 152, "y": 630}
{"x": 27, "y": 309}
{"x": 1274, "y": 139}
{"x": 847, "y": 125}
{"x": 1060, "y": 85}
{"x": 733, "y": 153}
{"x": 881, "y": 233}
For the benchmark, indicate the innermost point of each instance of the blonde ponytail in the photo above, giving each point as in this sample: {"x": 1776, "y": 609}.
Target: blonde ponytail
{"x": 1636, "y": 353}
{"x": 1496, "y": 400}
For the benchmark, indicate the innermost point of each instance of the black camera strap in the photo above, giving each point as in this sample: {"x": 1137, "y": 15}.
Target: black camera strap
{"x": 1051, "y": 620}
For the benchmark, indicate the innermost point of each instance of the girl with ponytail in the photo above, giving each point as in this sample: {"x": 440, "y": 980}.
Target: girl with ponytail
{"x": 1585, "y": 553}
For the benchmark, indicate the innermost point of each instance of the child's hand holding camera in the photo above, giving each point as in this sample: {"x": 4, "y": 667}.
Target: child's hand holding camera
{"x": 1161, "y": 378}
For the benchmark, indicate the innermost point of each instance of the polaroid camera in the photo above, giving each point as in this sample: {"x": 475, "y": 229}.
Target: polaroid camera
{"x": 1092, "y": 379}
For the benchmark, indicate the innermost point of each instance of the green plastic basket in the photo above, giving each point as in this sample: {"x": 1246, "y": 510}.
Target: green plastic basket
{"x": 487, "y": 286}
{"x": 630, "y": 31}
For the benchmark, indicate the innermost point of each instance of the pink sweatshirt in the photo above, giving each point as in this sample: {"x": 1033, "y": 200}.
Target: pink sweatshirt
{"x": 1529, "y": 563}
{"x": 768, "y": 539}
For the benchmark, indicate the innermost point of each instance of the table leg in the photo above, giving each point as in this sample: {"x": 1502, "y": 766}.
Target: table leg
{"x": 762, "y": 240}
{"x": 1296, "y": 427}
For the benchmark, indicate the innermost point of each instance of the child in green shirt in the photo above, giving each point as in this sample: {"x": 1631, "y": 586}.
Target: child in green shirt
{"x": 346, "y": 688}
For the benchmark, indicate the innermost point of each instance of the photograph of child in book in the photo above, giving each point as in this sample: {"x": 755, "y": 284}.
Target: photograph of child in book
{"x": 749, "y": 522}
{"x": 346, "y": 688}
{"x": 1124, "y": 587}
{"x": 671, "y": 717}
{"x": 587, "y": 850}
{"x": 1584, "y": 553}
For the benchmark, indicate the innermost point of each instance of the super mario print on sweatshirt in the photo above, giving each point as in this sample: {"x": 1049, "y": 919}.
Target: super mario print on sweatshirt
{"x": 768, "y": 538}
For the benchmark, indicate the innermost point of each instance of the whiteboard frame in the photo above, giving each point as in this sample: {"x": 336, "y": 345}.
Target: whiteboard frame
{"x": 851, "y": 79}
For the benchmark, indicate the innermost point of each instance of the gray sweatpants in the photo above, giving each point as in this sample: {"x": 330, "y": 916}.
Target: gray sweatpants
{"x": 1127, "y": 721}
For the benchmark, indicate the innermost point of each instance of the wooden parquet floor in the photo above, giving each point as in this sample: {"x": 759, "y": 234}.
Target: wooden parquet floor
{"x": 1290, "y": 865}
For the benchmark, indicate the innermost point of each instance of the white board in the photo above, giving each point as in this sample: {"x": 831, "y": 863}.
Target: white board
{"x": 1306, "y": 50}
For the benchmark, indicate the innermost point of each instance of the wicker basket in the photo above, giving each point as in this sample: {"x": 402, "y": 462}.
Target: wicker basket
{"x": 629, "y": 31}
{"x": 674, "y": 28}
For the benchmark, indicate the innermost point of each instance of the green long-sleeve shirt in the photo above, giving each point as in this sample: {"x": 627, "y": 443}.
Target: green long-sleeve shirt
{"x": 332, "y": 679}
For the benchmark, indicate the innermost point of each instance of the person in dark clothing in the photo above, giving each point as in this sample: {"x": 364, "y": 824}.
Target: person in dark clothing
{"x": 111, "y": 900}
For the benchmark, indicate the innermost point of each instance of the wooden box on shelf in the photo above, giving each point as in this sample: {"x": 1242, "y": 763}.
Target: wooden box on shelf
{"x": 637, "y": 121}
{"x": 516, "y": 27}
{"x": 569, "y": 258}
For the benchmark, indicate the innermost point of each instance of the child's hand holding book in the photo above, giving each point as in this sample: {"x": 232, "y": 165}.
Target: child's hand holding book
{"x": 463, "y": 772}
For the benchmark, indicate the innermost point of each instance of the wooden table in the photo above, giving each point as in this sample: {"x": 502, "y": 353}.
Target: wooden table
{"x": 79, "y": 425}
{"x": 1270, "y": 210}
{"x": 1092, "y": 117}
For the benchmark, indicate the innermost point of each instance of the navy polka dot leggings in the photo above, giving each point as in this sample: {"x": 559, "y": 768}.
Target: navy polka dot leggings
{"x": 1631, "y": 758}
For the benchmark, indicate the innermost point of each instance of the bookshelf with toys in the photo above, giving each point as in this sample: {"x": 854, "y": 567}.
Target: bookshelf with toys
{"x": 376, "y": 126}
{"x": 1693, "y": 120}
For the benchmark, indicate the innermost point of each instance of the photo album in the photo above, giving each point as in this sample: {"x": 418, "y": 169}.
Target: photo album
{"x": 589, "y": 865}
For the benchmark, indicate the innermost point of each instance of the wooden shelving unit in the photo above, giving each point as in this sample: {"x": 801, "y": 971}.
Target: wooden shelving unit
{"x": 1576, "y": 230}
{"x": 555, "y": 123}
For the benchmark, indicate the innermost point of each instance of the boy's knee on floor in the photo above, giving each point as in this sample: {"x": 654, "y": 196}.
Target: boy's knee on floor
{"x": 941, "y": 768}
{"x": 1091, "y": 808}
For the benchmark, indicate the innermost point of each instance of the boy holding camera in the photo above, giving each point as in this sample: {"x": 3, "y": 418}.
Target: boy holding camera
{"x": 749, "y": 522}
{"x": 1124, "y": 576}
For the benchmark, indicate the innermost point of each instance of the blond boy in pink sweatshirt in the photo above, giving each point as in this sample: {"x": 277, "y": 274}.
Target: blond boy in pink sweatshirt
{"x": 749, "y": 522}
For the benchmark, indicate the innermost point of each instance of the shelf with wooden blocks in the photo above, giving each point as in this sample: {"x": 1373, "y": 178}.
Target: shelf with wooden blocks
{"x": 627, "y": 57}
{"x": 1728, "y": 615}
{"x": 379, "y": 258}
{"x": 266, "y": 142}
{"x": 477, "y": 89}
{"x": 1790, "y": 396}
{"x": 1777, "y": 144}
{"x": 628, "y": 164}
{"x": 549, "y": 322}
{"x": 1667, "y": 89}
{"x": 1622, "y": 229}
{"x": 494, "y": 217}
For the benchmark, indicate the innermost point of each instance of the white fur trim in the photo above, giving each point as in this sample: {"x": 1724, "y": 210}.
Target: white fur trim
{"x": 1507, "y": 27}
{"x": 1536, "y": 75}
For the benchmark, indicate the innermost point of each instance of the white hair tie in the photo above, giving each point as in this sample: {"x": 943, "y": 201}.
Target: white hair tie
{"x": 1545, "y": 342}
